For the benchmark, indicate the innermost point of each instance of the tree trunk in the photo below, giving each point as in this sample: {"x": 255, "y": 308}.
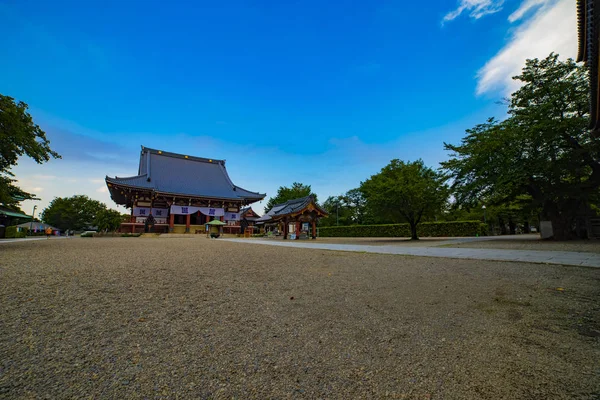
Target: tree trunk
{"x": 413, "y": 232}
{"x": 562, "y": 228}
{"x": 526, "y": 227}
{"x": 511, "y": 226}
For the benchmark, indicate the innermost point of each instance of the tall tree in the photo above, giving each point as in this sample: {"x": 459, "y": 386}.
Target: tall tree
{"x": 19, "y": 136}
{"x": 76, "y": 212}
{"x": 543, "y": 149}
{"x": 284, "y": 194}
{"x": 406, "y": 192}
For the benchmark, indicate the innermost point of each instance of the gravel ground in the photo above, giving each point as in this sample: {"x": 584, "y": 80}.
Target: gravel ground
{"x": 198, "y": 318}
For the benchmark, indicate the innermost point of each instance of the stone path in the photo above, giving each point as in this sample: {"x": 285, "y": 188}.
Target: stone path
{"x": 534, "y": 256}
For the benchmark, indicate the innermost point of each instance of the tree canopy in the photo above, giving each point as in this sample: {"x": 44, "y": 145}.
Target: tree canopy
{"x": 19, "y": 136}
{"x": 542, "y": 150}
{"x": 284, "y": 194}
{"x": 77, "y": 212}
{"x": 406, "y": 192}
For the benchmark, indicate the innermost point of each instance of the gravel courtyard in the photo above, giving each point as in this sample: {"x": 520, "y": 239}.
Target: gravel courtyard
{"x": 198, "y": 318}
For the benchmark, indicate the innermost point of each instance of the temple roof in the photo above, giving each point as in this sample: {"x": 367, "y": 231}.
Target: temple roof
{"x": 178, "y": 174}
{"x": 290, "y": 207}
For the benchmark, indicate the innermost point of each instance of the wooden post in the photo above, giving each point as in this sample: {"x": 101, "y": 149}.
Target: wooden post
{"x": 285, "y": 229}
{"x": 298, "y": 225}
{"x": 187, "y": 223}
{"x": 171, "y": 223}
{"x": 314, "y": 229}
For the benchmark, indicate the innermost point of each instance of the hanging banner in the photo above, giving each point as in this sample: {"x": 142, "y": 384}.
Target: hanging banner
{"x": 232, "y": 216}
{"x": 212, "y": 212}
{"x": 145, "y": 211}
{"x": 160, "y": 212}
{"x": 185, "y": 210}
{"x": 141, "y": 211}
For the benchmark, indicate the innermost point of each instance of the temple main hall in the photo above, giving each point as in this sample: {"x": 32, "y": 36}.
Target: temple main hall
{"x": 179, "y": 193}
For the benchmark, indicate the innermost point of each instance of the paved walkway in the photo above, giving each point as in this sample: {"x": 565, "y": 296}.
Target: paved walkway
{"x": 30, "y": 239}
{"x": 534, "y": 256}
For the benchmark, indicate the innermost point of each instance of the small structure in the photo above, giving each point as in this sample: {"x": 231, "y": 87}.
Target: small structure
{"x": 214, "y": 228}
{"x": 297, "y": 216}
{"x": 246, "y": 221}
{"x": 37, "y": 227}
{"x": 181, "y": 192}
{"x": 9, "y": 217}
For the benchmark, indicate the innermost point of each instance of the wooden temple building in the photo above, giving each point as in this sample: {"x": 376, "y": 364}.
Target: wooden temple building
{"x": 178, "y": 193}
{"x": 588, "y": 26}
{"x": 295, "y": 217}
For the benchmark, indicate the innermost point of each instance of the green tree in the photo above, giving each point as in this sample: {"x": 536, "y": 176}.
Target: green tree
{"x": 406, "y": 192}
{"x": 339, "y": 211}
{"x": 284, "y": 194}
{"x": 77, "y": 212}
{"x": 109, "y": 220}
{"x": 543, "y": 149}
{"x": 19, "y": 136}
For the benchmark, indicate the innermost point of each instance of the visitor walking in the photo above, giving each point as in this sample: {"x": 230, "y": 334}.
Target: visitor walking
{"x": 48, "y": 232}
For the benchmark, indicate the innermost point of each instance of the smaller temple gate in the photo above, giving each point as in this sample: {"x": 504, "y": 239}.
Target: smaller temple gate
{"x": 297, "y": 217}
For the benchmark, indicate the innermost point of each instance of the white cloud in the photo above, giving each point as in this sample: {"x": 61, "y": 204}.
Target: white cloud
{"x": 97, "y": 180}
{"x": 552, "y": 28}
{"x": 102, "y": 189}
{"x": 475, "y": 8}
{"x": 522, "y": 10}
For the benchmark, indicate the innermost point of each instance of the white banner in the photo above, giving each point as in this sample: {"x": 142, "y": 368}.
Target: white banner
{"x": 185, "y": 210}
{"x": 141, "y": 211}
{"x": 232, "y": 216}
{"x": 160, "y": 212}
{"x": 145, "y": 211}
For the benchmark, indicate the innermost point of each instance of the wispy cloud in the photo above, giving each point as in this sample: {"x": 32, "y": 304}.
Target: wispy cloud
{"x": 552, "y": 28}
{"x": 475, "y": 8}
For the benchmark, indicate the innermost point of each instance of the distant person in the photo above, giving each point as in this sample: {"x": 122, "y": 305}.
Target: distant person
{"x": 48, "y": 232}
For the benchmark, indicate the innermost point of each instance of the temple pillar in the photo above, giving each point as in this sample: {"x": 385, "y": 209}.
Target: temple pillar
{"x": 314, "y": 229}
{"x": 171, "y": 223}
{"x": 188, "y": 219}
{"x": 298, "y": 225}
{"x": 285, "y": 229}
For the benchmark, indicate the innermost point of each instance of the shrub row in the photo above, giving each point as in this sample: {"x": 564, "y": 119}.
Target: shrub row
{"x": 424, "y": 229}
{"x": 11, "y": 232}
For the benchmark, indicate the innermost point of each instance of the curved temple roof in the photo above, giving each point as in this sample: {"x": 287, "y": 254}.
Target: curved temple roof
{"x": 177, "y": 174}
{"x": 290, "y": 207}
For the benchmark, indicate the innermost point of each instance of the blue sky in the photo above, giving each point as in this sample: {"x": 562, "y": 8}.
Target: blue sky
{"x": 324, "y": 93}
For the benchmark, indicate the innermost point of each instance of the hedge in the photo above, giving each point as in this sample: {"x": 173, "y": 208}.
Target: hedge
{"x": 11, "y": 232}
{"x": 424, "y": 229}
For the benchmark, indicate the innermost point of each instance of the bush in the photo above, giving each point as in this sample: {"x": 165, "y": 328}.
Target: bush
{"x": 424, "y": 229}
{"x": 131, "y": 234}
{"x": 11, "y": 232}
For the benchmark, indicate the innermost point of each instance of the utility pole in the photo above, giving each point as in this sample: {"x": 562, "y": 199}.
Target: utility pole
{"x": 337, "y": 215}
{"x": 484, "y": 218}
{"x": 31, "y": 223}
